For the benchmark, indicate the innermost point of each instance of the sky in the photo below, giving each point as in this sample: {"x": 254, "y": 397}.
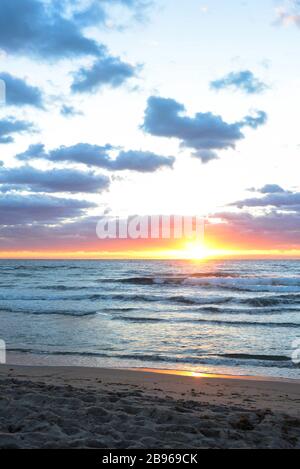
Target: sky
{"x": 117, "y": 108}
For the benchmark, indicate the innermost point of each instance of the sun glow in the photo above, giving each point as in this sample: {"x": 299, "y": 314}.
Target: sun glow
{"x": 195, "y": 250}
{"x": 187, "y": 250}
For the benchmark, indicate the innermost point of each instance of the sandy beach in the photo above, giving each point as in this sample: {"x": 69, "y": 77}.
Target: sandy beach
{"x": 69, "y": 407}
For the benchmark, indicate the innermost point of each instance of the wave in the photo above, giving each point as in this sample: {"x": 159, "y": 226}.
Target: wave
{"x": 214, "y": 322}
{"x": 37, "y": 267}
{"x": 264, "y": 304}
{"x": 263, "y": 310}
{"x": 257, "y": 360}
{"x": 181, "y": 280}
{"x": 90, "y": 297}
{"x": 50, "y": 312}
{"x": 215, "y": 281}
{"x": 211, "y": 303}
{"x": 138, "y": 319}
{"x": 62, "y": 287}
{"x": 196, "y": 301}
{"x": 272, "y": 300}
{"x": 236, "y": 359}
{"x": 245, "y": 356}
{"x": 151, "y": 281}
{"x": 120, "y": 309}
{"x": 43, "y": 298}
{"x": 246, "y": 323}
{"x": 57, "y": 352}
{"x": 215, "y": 274}
{"x": 6, "y": 310}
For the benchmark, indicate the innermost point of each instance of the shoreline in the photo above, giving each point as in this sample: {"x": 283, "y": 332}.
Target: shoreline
{"x": 47, "y": 360}
{"x": 66, "y": 407}
{"x": 155, "y": 371}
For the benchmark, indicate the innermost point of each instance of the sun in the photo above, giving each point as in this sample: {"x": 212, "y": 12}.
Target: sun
{"x": 195, "y": 250}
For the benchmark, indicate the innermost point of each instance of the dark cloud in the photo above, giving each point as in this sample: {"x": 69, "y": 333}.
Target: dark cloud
{"x": 243, "y": 80}
{"x": 269, "y": 231}
{"x": 55, "y": 180}
{"x": 34, "y": 151}
{"x": 91, "y": 155}
{"x": 99, "y": 156}
{"x": 272, "y": 230}
{"x": 142, "y": 161}
{"x": 18, "y": 210}
{"x": 53, "y": 29}
{"x": 205, "y": 133}
{"x": 283, "y": 200}
{"x": 41, "y": 235}
{"x": 64, "y": 235}
{"x": 10, "y": 126}
{"x": 38, "y": 28}
{"x": 107, "y": 71}
{"x": 271, "y": 221}
{"x": 20, "y": 93}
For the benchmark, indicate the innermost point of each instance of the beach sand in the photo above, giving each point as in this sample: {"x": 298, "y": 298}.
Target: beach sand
{"x": 69, "y": 407}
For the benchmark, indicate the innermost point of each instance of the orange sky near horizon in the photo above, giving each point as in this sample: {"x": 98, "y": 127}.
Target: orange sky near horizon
{"x": 188, "y": 251}
{"x": 220, "y": 241}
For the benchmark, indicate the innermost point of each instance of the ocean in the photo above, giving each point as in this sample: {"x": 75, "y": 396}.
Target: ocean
{"x": 227, "y": 317}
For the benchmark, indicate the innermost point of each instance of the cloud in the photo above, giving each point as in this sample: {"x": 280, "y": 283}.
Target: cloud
{"x": 55, "y": 180}
{"x": 272, "y": 230}
{"x": 280, "y": 200}
{"x": 54, "y": 29}
{"x": 20, "y": 93}
{"x": 44, "y": 234}
{"x": 254, "y": 121}
{"x": 99, "y": 156}
{"x": 269, "y": 189}
{"x": 20, "y": 209}
{"x": 95, "y": 12}
{"x": 243, "y": 80}
{"x": 38, "y": 28}
{"x": 271, "y": 221}
{"x": 289, "y": 14}
{"x": 69, "y": 111}
{"x": 107, "y": 71}
{"x": 33, "y": 151}
{"x": 91, "y": 155}
{"x": 90, "y": 15}
{"x": 142, "y": 161}
{"x": 10, "y": 126}
{"x": 205, "y": 132}
{"x": 75, "y": 232}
